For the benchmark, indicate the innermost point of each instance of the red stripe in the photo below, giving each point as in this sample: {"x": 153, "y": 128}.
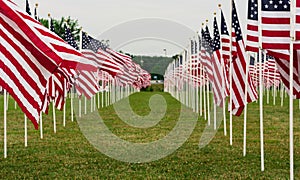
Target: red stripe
{"x": 252, "y": 27}
{"x": 277, "y": 20}
{"x": 275, "y": 33}
{"x": 252, "y": 38}
{"x": 275, "y": 46}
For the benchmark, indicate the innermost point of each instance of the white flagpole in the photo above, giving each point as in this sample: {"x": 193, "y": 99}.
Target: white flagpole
{"x": 41, "y": 125}
{"x": 25, "y": 134}
{"x": 208, "y": 103}
{"x": 72, "y": 105}
{"x": 64, "y": 114}
{"x": 293, "y": 12}
{"x": 224, "y": 88}
{"x": 5, "y": 123}
{"x": 85, "y": 105}
{"x": 201, "y": 89}
{"x": 261, "y": 89}
{"x": 230, "y": 74}
{"x": 54, "y": 116}
{"x": 79, "y": 106}
{"x": 261, "y": 114}
{"x": 282, "y": 93}
{"x": 246, "y": 105}
{"x": 91, "y": 101}
{"x": 274, "y": 87}
{"x": 204, "y": 98}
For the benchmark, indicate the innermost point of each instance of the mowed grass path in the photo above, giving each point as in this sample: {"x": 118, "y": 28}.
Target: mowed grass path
{"x": 68, "y": 154}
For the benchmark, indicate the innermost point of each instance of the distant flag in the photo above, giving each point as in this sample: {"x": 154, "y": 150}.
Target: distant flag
{"x": 69, "y": 38}
{"x": 219, "y": 81}
{"x": 206, "y": 51}
{"x": 252, "y": 27}
{"x": 92, "y": 49}
{"x": 52, "y": 25}
{"x": 28, "y": 8}
{"x": 225, "y": 39}
{"x": 239, "y": 69}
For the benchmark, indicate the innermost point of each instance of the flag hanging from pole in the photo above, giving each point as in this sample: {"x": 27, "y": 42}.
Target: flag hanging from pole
{"x": 252, "y": 42}
{"x": 218, "y": 69}
{"x": 239, "y": 80}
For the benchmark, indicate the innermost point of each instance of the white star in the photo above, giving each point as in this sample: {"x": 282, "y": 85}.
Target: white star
{"x": 275, "y": 6}
{"x": 266, "y": 6}
{"x": 285, "y": 6}
{"x": 271, "y": 2}
{"x": 280, "y": 2}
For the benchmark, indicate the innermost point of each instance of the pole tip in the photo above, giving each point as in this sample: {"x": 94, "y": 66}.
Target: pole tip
{"x": 49, "y": 15}
{"x": 215, "y": 13}
{"x": 207, "y": 20}
{"x": 220, "y": 5}
{"x": 36, "y": 4}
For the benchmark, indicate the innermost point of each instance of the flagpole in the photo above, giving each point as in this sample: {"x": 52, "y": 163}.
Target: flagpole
{"x": 274, "y": 87}
{"x": 54, "y": 116}
{"x": 41, "y": 125}
{"x": 246, "y": 106}
{"x": 224, "y": 87}
{"x": 282, "y": 93}
{"x": 293, "y": 12}
{"x": 261, "y": 87}
{"x": 25, "y": 133}
{"x": 5, "y": 123}
{"x": 230, "y": 74}
{"x": 64, "y": 114}
{"x": 72, "y": 104}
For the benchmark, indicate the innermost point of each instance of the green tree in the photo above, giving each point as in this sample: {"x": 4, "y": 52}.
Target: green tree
{"x": 59, "y": 26}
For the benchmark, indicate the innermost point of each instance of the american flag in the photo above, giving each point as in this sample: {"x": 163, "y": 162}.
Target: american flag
{"x": 206, "y": 52}
{"x": 31, "y": 54}
{"x": 129, "y": 75}
{"x": 239, "y": 81}
{"x": 92, "y": 49}
{"x": 253, "y": 71}
{"x": 25, "y": 64}
{"x": 271, "y": 75}
{"x": 276, "y": 39}
{"x": 219, "y": 81}
{"x": 252, "y": 27}
{"x": 69, "y": 38}
{"x": 284, "y": 70}
{"x": 225, "y": 39}
{"x": 275, "y": 24}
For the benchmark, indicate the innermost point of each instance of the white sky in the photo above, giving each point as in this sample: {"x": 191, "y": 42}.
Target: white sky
{"x": 98, "y": 16}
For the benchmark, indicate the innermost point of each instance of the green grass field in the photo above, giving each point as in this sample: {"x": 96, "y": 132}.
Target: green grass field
{"x": 68, "y": 154}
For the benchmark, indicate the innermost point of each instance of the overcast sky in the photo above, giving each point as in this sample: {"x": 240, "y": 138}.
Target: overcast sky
{"x": 100, "y": 16}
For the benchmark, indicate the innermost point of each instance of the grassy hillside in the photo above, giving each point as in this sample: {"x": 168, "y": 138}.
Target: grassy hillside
{"x": 154, "y": 65}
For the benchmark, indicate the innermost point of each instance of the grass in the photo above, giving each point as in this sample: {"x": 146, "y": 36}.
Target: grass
{"x": 67, "y": 154}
